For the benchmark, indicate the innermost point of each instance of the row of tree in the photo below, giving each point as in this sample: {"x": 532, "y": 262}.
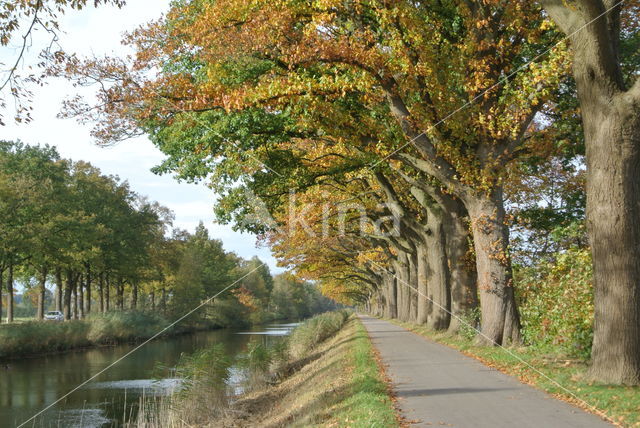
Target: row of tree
{"x": 65, "y": 222}
{"x": 381, "y": 137}
{"x": 101, "y": 247}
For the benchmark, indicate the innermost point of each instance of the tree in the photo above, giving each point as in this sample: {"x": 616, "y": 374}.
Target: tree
{"x": 382, "y": 77}
{"x": 609, "y": 92}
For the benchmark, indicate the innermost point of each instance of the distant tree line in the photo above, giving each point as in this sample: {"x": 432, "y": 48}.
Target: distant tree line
{"x": 101, "y": 247}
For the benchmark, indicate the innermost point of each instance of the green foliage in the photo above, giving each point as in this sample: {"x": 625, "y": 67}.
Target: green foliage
{"x": 556, "y": 302}
{"x": 294, "y": 299}
{"x": 470, "y": 323}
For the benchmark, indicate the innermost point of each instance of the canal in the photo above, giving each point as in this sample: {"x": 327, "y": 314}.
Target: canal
{"x": 28, "y": 386}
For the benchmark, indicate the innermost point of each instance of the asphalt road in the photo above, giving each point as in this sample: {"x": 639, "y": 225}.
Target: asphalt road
{"x": 438, "y": 386}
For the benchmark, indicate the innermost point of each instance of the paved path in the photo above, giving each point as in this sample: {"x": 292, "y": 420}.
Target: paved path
{"x": 439, "y": 386}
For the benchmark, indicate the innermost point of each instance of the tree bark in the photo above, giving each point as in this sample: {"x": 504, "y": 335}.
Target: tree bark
{"x": 10, "y": 294}
{"x": 120, "y": 294}
{"x": 152, "y": 296}
{"x": 88, "y": 291}
{"x": 413, "y": 287}
{"x": 59, "y": 290}
{"x": 423, "y": 283}
{"x": 1, "y": 287}
{"x": 438, "y": 293}
{"x": 402, "y": 272}
{"x": 107, "y": 292}
{"x": 613, "y": 213}
{"x": 42, "y": 292}
{"x": 134, "y": 296}
{"x": 611, "y": 122}
{"x": 462, "y": 273}
{"x": 500, "y": 323}
{"x": 80, "y": 297}
{"x": 68, "y": 290}
{"x": 101, "y": 291}
{"x": 74, "y": 290}
{"x": 392, "y": 295}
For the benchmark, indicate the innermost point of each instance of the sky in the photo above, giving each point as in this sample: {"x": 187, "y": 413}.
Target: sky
{"x": 99, "y": 31}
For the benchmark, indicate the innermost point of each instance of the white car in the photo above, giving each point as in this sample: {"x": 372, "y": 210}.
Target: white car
{"x": 54, "y": 316}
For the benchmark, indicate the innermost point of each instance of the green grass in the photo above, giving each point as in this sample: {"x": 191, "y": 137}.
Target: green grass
{"x": 368, "y": 403}
{"x": 548, "y": 370}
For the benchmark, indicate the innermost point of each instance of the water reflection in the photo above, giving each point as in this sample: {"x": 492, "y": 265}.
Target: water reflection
{"x": 32, "y": 384}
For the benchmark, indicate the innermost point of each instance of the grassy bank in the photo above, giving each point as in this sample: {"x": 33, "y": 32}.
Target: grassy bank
{"x": 549, "y": 370}
{"x": 38, "y": 337}
{"x": 326, "y": 375}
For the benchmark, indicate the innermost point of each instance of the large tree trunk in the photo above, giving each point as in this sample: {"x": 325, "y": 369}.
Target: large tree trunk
{"x": 613, "y": 221}
{"x": 413, "y": 287}
{"x": 438, "y": 294}
{"x": 10, "y": 294}
{"x": 164, "y": 301}
{"x": 59, "y": 290}
{"x": 462, "y": 270}
{"x": 1, "y": 287}
{"x": 423, "y": 283}
{"x": 500, "y": 323}
{"x": 152, "y": 297}
{"x": 42, "y": 292}
{"x": 403, "y": 284}
{"x": 392, "y": 295}
{"x": 611, "y": 119}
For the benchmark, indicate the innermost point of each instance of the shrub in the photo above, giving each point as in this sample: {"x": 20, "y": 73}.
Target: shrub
{"x": 470, "y": 323}
{"x": 556, "y": 303}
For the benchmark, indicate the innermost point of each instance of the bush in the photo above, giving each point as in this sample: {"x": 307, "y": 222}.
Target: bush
{"x": 556, "y": 303}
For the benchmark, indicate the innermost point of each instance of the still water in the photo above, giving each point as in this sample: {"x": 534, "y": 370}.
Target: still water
{"x": 29, "y": 385}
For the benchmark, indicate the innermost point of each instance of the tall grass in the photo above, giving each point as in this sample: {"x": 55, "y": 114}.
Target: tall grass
{"x": 206, "y": 394}
{"x": 314, "y": 331}
{"x": 203, "y": 396}
{"x": 256, "y": 364}
{"x": 17, "y": 340}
